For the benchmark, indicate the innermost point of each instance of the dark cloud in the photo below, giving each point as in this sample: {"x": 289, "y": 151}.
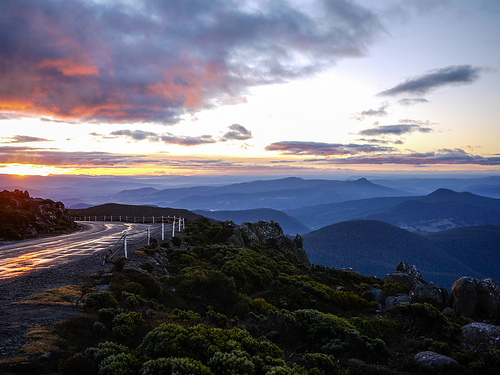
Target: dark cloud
{"x": 325, "y": 149}
{"x": 171, "y": 139}
{"x": 136, "y": 135}
{"x": 24, "y": 139}
{"x": 412, "y": 101}
{"x": 451, "y": 75}
{"x": 38, "y": 156}
{"x": 238, "y": 133}
{"x": 397, "y": 130}
{"x": 380, "y": 112}
{"x": 153, "y": 60}
{"x": 443, "y": 157}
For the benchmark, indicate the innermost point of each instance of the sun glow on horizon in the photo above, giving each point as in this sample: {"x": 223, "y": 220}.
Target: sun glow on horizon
{"x": 31, "y": 170}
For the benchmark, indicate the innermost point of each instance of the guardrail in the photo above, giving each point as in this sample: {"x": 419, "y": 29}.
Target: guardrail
{"x": 131, "y": 219}
{"x": 165, "y": 227}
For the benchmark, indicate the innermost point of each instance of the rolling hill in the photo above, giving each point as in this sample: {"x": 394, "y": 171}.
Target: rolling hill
{"x": 131, "y": 210}
{"x": 373, "y": 247}
{"x": 288, "y": 224}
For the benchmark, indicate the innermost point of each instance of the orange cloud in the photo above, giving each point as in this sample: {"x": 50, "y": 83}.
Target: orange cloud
{"x": 70, "y": 67}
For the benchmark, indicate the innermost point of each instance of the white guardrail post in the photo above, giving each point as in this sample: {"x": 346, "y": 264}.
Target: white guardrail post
{"x": 162, "y": 231}
{"x": 125, "y": 244}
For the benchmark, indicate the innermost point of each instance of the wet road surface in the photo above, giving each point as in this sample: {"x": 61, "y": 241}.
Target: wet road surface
{"x": 24, "y": 257}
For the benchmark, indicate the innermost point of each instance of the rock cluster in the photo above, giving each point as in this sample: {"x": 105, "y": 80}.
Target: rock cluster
{"x": 22, "y": 216}
{"x": 269, "y": 234}
{"x": 471, "y": 298}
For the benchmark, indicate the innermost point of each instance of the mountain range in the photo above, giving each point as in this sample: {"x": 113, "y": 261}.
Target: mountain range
{"x": 280, "y": 194}
{"x": 442, "y": 209}
{"x": 289, "y": 224}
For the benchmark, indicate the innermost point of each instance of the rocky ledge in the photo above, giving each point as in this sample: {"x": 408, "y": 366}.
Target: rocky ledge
{"x": 22, "y": 216}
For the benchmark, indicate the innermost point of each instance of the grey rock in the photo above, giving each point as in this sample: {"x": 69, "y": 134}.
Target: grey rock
{"x": 481, "y": 336}
{"x": 464, "y": 296}
{"x": 378, "y": 295}
{"x": 435, "y": 362}
{"x": 400, "y": 278}
{"x": 393, "y": 301}
{"x": 476, "y": 299}
{"x": 429, "y": 293}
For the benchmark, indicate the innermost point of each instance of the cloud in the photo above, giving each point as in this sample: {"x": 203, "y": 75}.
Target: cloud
{"x": 153, "y": 60}
{"x": 24, "y": 139}
{"x": 441, "y": 157}
{"x": 412, "y": 101}
{"x": 136, "y": 135}
{"x": 399, "y": 129}
{"x": 237, "y": 132}
{"x": 451, "y": 75}
{"x": 171, "y": 139}
{"x": 380, "y": 112}
{"x": 325, "y": 149}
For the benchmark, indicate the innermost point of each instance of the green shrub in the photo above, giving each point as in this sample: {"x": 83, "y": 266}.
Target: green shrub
{"x": 133, "y": 287}
{"x": 186, "y": 316}
{"x": 235, "y": 362}
{"x": 208, "y": 288}
{"x": 126, "y": 325}
{"x": 148, "y": 266}
{"x": 420, "y": 319}
{"x": 100, "y": 300}
{"x": 176, "y": 241}
{"x": 122, "y": 364}
{"x": 178, "y": 366}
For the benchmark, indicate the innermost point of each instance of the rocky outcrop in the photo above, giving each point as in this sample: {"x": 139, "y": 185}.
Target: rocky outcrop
{"x": 478, "y": 300}
{"x": 480, "y": 337}
{"x": 22, "y": 216}
{"x": 271, "y": 235}
{"x": 404, "y": 274}
{"x": 434, "y": 362}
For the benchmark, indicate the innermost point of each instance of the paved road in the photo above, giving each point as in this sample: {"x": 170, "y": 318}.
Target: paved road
{"x": 23, "y": 257}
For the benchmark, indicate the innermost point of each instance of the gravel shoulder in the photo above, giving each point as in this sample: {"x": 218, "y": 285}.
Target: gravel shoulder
{"x": 16, "y": 320}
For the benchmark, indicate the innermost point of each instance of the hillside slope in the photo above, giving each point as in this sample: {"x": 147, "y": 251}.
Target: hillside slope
{"x": 131, "y": 210}
{"x": 22, "y": 216}
{"x": 375, "y": 248}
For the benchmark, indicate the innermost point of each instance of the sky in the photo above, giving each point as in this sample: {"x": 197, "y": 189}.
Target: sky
{"x": 264, "y": 87}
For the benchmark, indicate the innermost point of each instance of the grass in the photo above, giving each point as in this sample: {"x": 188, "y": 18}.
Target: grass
{"x": 44, "y": 341}
{"x": 65, "y": 296}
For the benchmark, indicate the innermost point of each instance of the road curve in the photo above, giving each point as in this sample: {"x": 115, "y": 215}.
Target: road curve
{"x": 24, "y": 257}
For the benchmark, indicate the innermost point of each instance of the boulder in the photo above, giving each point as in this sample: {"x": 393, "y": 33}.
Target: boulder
{"x": 478, "y": 300}
{"x": 377, "y": 295}
{"x": 435, "y": 362}
{"x": 481, "y": 336}
{"x": 430, "y": 293}
{"x": 488, "y": 299}
{"x": 393, "y": 301}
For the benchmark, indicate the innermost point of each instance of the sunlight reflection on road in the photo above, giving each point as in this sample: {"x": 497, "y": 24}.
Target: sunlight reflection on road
{"x": 19, "y": 258}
